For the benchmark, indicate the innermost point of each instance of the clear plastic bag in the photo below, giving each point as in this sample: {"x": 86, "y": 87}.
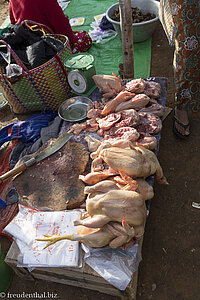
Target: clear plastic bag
{"x": 101, "y": 36}
{"x": 114, "y": 265}
{"x": 12, "y": 70}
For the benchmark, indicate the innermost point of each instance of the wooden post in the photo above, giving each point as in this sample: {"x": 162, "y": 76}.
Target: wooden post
{"x": 127, "y": 37}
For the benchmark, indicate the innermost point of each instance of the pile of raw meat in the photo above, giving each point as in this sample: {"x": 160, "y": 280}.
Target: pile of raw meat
{"x": 127, "y": 120}
{"x": 130, "y": 112}
{"x": 122, "y": 158}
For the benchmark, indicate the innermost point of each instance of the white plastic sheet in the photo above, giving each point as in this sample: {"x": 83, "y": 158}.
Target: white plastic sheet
{"x": 30, "y": 224}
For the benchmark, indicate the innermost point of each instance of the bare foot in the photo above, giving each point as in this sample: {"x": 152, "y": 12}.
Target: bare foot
{"x": 182, "y": 117}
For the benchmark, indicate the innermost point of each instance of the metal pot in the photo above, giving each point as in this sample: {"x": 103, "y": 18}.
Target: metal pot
{"x": 143, "y": 30}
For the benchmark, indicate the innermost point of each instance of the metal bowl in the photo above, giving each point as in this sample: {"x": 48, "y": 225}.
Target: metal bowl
{"x": 143, "y": 30}
{"x": 74, "y": 109}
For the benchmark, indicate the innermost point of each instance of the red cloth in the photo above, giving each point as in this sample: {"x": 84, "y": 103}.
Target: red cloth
{"x": 8, "y": 213}
{"x": 47, "y": 12}
{"x": 5, "y": 167}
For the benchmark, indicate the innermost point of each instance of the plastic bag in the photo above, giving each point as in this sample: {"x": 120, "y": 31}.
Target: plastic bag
{"x": 12, "y": 70}
{"x": 114, "y": 265}
{"x": 99, "y": 35}
{"x": 30, "y": 224}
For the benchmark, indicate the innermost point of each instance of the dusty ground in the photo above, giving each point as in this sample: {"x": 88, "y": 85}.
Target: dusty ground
{"x": 170, "y": 269}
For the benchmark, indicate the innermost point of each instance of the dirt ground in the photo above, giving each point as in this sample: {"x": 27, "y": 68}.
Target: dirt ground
{"x": 170, "y": 269}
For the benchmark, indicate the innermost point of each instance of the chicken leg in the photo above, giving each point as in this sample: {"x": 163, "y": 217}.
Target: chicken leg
{"x": 113, "y": 234}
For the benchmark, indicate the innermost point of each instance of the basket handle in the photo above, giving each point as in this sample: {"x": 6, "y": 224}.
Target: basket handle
{"x": 34, "y": 26}
{"x": 16, "y": 57}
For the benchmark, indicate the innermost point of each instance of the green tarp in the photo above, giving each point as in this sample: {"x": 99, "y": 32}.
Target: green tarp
{"x": 108, "y": 56}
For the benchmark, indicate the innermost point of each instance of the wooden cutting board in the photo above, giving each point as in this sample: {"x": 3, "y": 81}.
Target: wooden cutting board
{"x": 53, "y": 183}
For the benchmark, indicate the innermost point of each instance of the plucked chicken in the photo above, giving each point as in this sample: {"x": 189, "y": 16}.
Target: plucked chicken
{"x": 135, "y": 162}
{"x": 114, "y": 205}
{"x": 108, "y": 84}
{"x": 122, "y": 183}
{"x": 146, "y": 140}
{"x": 112, "y": 234}
{"x": 112, "y": 104}
{"x": 137, "y": 102}
{"x": 136, "y": 85}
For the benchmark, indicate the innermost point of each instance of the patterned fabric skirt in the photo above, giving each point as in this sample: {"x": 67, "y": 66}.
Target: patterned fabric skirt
{"x": 83, "y": 42}
{"x": 186, "y": 19}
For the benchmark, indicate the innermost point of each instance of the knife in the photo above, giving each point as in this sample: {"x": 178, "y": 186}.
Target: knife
{"x": 49, "y": 150}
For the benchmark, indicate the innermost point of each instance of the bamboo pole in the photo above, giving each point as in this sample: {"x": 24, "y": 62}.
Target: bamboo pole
{"x": 127, "y": 37}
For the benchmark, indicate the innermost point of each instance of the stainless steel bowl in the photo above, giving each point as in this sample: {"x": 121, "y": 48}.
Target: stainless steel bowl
{"x": 143, "y": 30}
{"x": 74, "y": 109}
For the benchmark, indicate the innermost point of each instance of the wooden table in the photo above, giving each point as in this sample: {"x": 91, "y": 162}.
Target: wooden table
{"x": 84, "y": 277}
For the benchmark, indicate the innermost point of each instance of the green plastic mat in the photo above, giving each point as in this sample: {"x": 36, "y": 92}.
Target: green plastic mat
{"x": 108, "y": 56}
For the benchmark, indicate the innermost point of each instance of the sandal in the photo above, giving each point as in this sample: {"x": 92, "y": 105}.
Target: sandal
{"x": 184, "y": 126}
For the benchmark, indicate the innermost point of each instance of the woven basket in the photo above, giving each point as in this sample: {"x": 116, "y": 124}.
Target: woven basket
{"x": 42, "y": 88}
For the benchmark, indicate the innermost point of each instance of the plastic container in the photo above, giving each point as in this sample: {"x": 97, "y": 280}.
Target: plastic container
{"x": 6, "y": 274}
{"x": 143, "y": 30}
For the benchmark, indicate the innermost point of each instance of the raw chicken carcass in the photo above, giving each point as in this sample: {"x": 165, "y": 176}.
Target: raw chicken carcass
{"x": 139, "y": 185}
{"x": 153, "y": 107}
{"x": 123, "y": 129}
{"x": 145, "y": 189}
{"x": 129, "y": 117}
{"x": 112, "y": 234}
{"x": 149, "y": 123}
{"x": 93, "y": 144}
{"x": 107, "y": 122}
{"x": 135, "y": 162}
{"x": 123, "y": 133}
{"x": 146, "y": 140}
{"x": 137, "y": 102}
{"x": 114, "y": 205}
{"x": 102, "y": 187}
{"x": 94, "y": 113}
{"x": 90, "y": 125}
{"x": 97, "y": 165}
{"x": 112, "y": 104}
{"x": 117, "y": 182}
{"x": 76, "y": 128}
{"x": 107, "y": 84}
{"x": 103, "y": 144}
{"x": 94, "y": 177}
{"x": 136, "y": 85}
{"x": 152, "y": 89}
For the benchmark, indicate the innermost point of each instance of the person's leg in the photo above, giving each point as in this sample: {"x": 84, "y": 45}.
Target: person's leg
{"x": 186, "y": 17}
